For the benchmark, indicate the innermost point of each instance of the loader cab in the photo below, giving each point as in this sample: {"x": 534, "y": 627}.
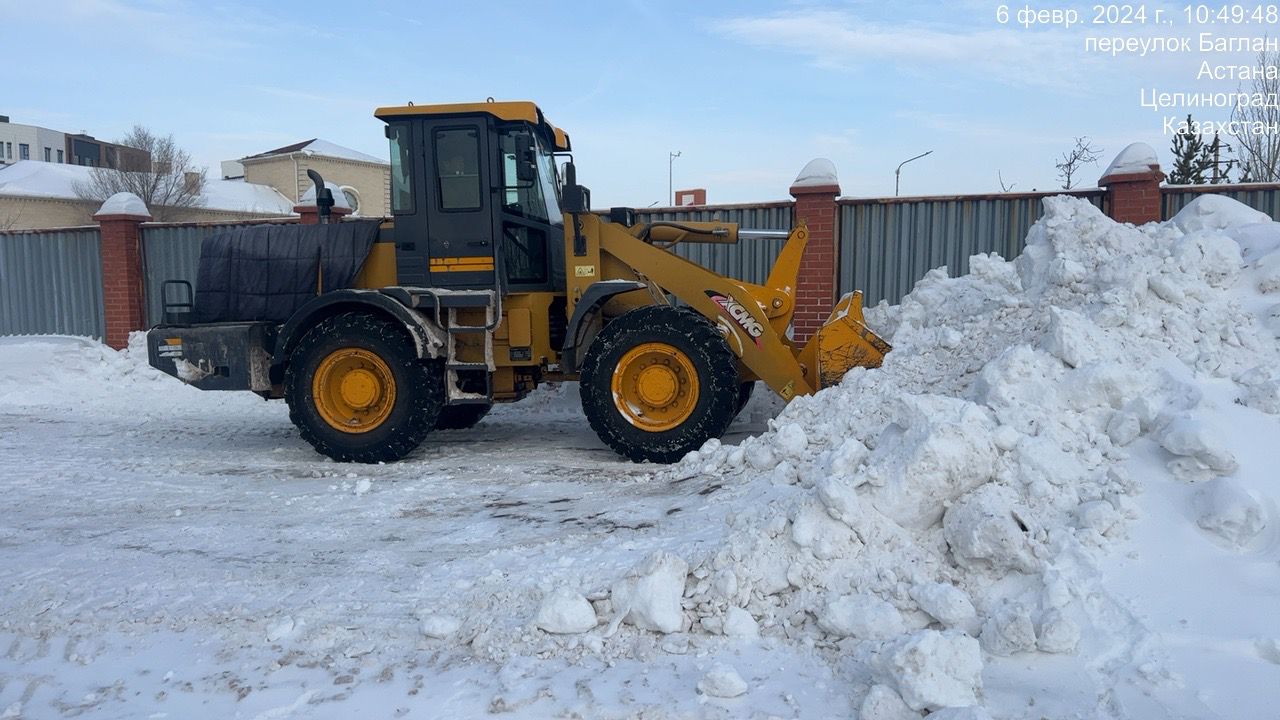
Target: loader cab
{"x": 475, "y": 196}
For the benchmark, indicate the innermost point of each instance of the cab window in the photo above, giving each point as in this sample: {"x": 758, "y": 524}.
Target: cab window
{"x": 523, "y": 198}
{"x": 401, "y": 171}
{"x": 457, "y": 153}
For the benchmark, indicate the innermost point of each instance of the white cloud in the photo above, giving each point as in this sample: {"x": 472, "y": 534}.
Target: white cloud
{"x": 842, "y": 40}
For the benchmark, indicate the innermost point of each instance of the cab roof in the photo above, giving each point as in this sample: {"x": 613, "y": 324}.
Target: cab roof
{"x": 511, "y": 110}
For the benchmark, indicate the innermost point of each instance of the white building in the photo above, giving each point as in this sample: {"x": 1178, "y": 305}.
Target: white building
{"x": 29, "y": 142}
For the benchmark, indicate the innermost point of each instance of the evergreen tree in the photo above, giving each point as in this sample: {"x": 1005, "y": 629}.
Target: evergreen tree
{"x": 1190, "y": 157}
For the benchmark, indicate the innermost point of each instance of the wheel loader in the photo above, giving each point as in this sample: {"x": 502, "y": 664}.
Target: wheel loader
{"x": 493, "y": 275}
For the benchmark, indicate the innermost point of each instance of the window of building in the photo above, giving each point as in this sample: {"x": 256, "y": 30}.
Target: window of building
{"x": 48, "y": 154}
{"x": 59, "y": 155}
{"x": 8, "y": 147}
{"x": 24, "y": 151}
{"x": 353, "y": 198}
{"x": 457, "y": 153}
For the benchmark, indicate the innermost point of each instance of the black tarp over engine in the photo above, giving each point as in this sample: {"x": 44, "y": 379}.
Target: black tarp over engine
{"x": 250, "y": 281}
{"x": 267, "y": 272}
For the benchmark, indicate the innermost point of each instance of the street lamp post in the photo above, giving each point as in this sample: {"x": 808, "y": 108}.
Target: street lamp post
{"x": 671, "y": 159}
{"x": 897, "y": 174}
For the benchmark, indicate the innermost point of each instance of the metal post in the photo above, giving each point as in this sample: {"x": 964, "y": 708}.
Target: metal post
{"x": 897, "y": 174}
{"x": 671, "y": 192}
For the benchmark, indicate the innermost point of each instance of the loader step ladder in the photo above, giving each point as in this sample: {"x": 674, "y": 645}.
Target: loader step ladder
{"x": 454, "y": 394}
{"x": 445, "y": 305}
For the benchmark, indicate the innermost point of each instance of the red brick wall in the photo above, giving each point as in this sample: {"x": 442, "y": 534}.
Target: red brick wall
{"x": 816, "y": 294}
{"x": 310, "y": 214}
{"x": 122, "y": 282}
{"x": 1134, "y": 197}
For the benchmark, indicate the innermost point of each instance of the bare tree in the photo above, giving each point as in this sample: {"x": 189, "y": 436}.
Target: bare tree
{"x": 170, "y": 185}
{"x": 10, "y": 220}
{"x": 1003, "y": 187}
{"x": 1259, "y": 152}
{"x": 1074, "y": 160}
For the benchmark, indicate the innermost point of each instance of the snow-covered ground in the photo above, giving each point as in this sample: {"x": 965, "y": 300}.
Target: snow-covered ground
{"x": 1057, "y": 499}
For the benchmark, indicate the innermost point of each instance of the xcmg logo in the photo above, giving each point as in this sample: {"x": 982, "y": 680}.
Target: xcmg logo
{"x": 739, "y": 314}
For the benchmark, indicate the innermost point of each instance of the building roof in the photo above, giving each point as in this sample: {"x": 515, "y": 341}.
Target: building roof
{"x": 321, "y": 147}
{"x": 34, "y": 178}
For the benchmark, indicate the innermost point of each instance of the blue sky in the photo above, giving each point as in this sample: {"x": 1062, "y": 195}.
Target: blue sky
{"x": 747, "y": 91}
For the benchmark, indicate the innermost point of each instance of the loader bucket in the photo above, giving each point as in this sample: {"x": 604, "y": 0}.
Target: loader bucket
{"x": 845, "y": 341}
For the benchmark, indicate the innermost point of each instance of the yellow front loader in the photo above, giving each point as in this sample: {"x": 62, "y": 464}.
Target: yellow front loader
{"x": 492, "y": 276}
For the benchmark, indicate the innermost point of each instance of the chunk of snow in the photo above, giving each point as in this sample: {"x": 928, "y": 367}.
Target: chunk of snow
{"x": 438, "y": 626}
{"x": 723, "y": 681}
{"x": 650, "y": 594}
{"x": 738, "y": 623}
{"x": 1136, "y": 158}
{"x": 1008, "y": 630}
{"x": 883, "y": 703}
{"x": 124, "y": 203}
{"x": 1230, "y": 512}
{"x": 1058, "y": 633}
{"x": 280, "y": 629}
{"x": 932, "y": 670}
{"x": 985, "y": 529}
{"x": 1202, "y": 449}
{"x": 945, "y": 603}
{"x": 864, "y": 617}
{"x": 565, "y": 611}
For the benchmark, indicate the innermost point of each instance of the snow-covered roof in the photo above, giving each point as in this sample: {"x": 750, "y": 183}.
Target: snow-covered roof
{"x": 1137, "y": 158}
{"x": 818, "y": 172}
{"x": 33, "y": 178}
{"x": 325, "y": 148}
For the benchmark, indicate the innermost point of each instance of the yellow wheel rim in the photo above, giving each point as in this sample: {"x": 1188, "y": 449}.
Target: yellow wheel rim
{"x": 655, "y": 387}
{"x": 354, "y": 390}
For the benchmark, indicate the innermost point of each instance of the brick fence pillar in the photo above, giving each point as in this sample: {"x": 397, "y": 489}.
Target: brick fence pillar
{"x": 310, "y": 214}
{"x": 123, "y": 294}
{"x": 815, "y": 191}
{"x": 1133, "y": 185}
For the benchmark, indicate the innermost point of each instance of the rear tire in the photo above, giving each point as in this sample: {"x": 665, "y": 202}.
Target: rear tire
{"x": 461, "y": 417}
{"x": 358, "y": 392}
{"x": 658, "y": 382}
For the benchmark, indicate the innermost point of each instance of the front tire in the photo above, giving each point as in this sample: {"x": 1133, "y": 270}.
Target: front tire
{"x": 358, "y": 392}
{"x": 658, "y": 382}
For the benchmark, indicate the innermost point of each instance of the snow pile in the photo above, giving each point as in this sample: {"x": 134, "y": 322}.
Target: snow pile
{"x": 954, "y": 501}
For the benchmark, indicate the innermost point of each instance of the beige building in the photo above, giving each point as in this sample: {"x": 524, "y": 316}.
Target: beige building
{"x": 364, "y": 179}
{"x": 37, "y": 195}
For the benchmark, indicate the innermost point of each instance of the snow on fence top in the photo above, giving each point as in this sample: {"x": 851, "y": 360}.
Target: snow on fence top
{"x": 819, "y": 172}
{"x": 1137, "y": 158}
{"x": 124, "y": 203}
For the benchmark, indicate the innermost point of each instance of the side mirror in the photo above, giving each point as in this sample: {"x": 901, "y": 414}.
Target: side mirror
{"x": 577, "y": 199}
{"x": 526, "y": 169}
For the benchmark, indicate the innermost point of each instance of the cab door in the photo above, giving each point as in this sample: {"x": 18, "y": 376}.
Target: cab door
{"x": 460, "y": 229}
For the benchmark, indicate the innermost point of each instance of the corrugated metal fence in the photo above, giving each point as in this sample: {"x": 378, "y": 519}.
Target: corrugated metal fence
{"x": 886, "y": 245}
{"x": 172, "y": 252}
{"x": 749, "y": 260}
{"x": 1265, "y": 198}
{"x": 51, "y": 283}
